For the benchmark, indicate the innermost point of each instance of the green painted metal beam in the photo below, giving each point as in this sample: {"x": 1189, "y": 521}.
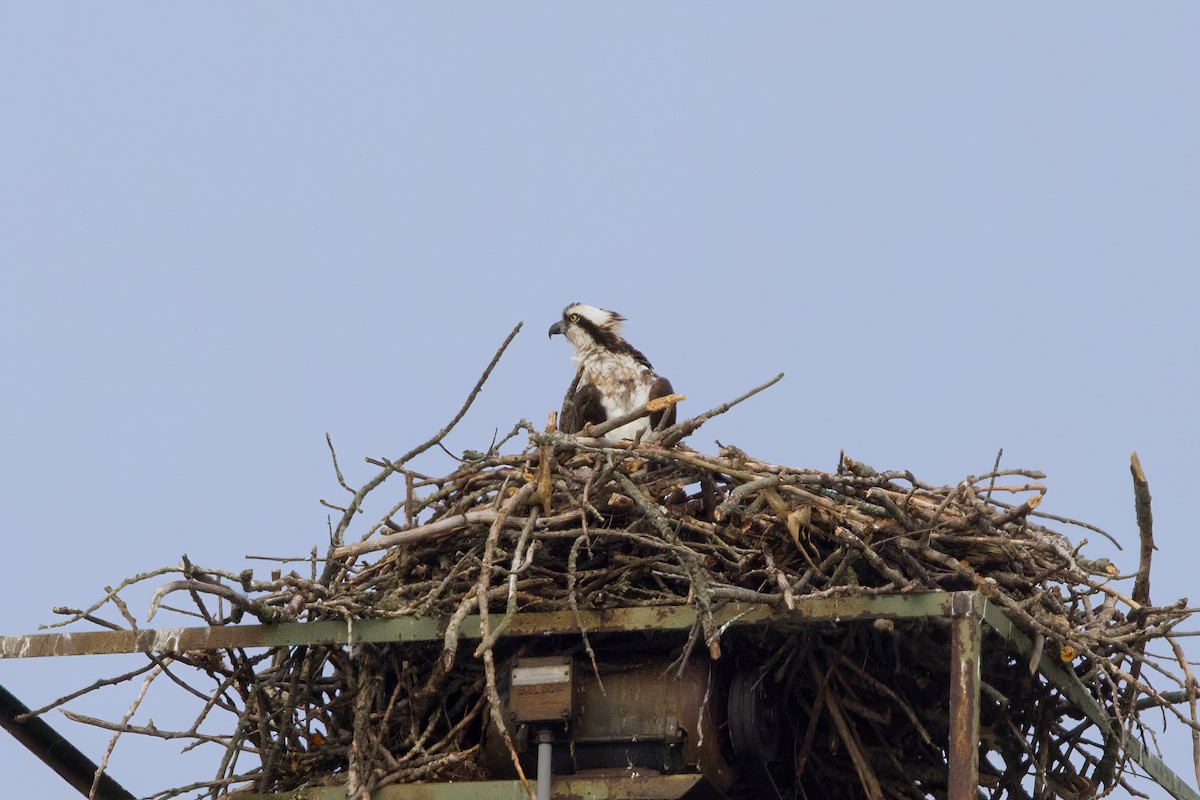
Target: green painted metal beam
{"x": 867, "y": 607}
{"x": 419, "y": 629}
{"x": 402, "y": 629}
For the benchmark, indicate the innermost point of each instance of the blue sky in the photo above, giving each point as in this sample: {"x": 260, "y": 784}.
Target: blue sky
{"x": 226, "y": 232}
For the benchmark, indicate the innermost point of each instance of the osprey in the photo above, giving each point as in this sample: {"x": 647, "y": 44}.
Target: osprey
{"x": 613, "y": 377}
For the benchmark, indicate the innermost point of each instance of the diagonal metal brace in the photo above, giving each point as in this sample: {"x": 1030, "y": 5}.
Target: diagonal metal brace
{"x": 1073, "y": 689}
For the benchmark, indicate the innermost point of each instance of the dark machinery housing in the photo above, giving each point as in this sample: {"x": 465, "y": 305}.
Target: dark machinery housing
{"x": 639, "y": 714}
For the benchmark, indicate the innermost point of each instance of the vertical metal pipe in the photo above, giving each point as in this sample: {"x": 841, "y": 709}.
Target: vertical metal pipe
{"x": 965, "y": 645}
{"x": 545, "y": 752}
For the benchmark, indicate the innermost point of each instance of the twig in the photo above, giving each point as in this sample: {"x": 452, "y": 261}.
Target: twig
{"x": 356, "y": 502}
{"x": 644, "y": 410}
{"x": 336, "y": 469}
{"x": 995, "y": 468}
{"x": 137, "y": 701}
{"x": 672, "y": 435}
{"x": 98, "y": 684}
{"x": 432, "y": 529}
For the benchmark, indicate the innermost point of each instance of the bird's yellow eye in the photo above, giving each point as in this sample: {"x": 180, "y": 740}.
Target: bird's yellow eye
{"x": 573, "y": 318}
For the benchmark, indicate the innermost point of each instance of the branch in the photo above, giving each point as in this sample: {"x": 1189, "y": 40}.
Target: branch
{"x": 431, "y": 529}
{"x": 338, "y": 534}
{"x": 112, "y": 744}
{"x": 675, "y": 433}
{"x": 1105, "y": 770}
{"x": 1141, "y": 504}
{"x": 264, "y": 613}
{"x": 648, "y": 408}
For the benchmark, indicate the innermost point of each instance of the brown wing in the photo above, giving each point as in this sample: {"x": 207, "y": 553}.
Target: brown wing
{"x": 568, "y": 418}
{"x": 661, "y": 388}
{"x": 581, "y": 406}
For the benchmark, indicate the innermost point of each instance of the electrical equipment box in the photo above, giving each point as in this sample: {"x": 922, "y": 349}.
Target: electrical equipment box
{"x": 543, "y": 689}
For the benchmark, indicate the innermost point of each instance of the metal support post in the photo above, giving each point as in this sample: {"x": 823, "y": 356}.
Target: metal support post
{"x": 965, "y": 645}
{"x": 545, "y": 742}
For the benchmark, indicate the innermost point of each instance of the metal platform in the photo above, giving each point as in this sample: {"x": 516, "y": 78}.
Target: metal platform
{"x": 968, "y": 613}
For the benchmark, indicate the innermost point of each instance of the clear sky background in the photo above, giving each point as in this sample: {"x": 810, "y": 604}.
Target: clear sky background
{"x": 225, "y": 232}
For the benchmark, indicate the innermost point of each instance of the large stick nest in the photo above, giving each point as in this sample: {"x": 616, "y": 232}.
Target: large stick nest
{"x": 575, "y": 523}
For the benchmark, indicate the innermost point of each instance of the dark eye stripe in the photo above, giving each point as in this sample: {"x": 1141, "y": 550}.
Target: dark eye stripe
{"x": 611, "y": 342}
{"x": 601, "y": 337}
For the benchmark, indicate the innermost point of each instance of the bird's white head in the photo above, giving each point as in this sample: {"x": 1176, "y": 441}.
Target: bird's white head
{"x": 595, "y": 333}
{"x": 587, "y": 326}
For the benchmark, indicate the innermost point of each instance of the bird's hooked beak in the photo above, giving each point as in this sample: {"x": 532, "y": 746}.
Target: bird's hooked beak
{"x": 555, "y": 328}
